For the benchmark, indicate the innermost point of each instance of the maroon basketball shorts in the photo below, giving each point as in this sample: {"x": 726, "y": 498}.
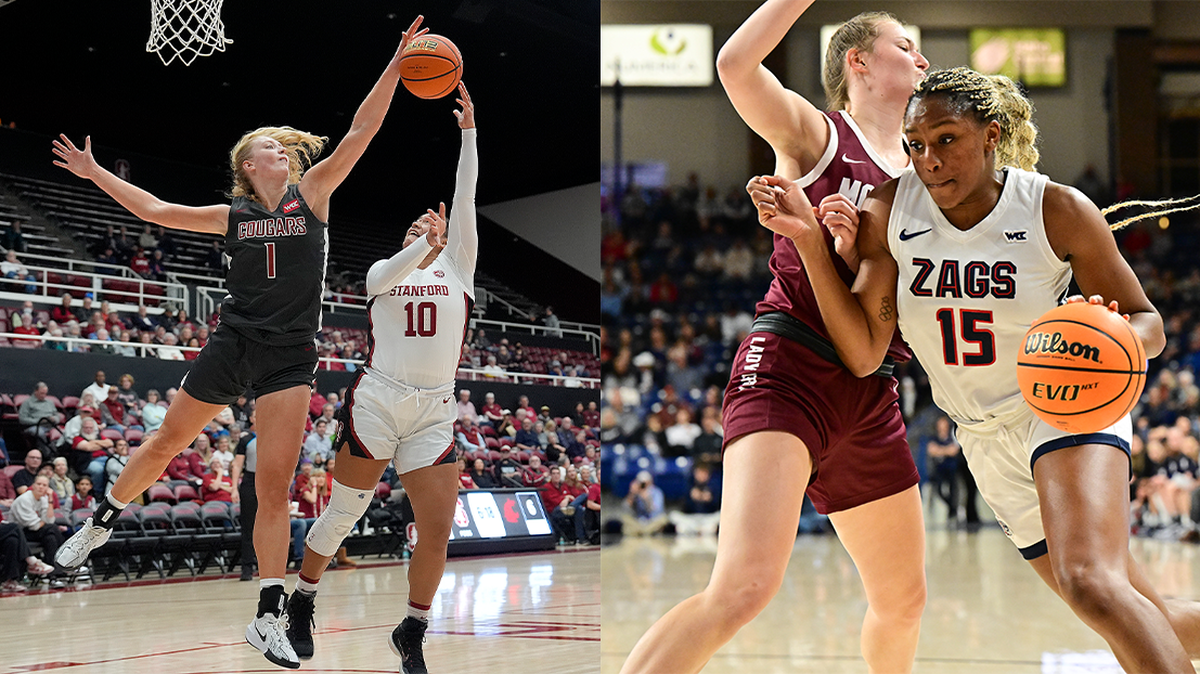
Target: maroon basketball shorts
{"x": 852, "y": 427}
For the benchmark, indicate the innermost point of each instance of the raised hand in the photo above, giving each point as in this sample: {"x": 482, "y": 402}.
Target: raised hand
{"x": 414, "y": 31}
{"x": 79, "y": 162}
{"x": 840, "y": 217}
{"x": 466, "y": 118}
{"x": 437, "y": 226}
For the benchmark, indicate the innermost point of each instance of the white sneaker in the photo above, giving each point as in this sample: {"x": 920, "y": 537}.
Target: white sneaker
{"x": 77, "y": 548}
{"x": 269, "y": 635}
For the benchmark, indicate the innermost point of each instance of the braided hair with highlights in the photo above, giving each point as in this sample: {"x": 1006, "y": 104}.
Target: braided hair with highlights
{"x": 988, "y": 98}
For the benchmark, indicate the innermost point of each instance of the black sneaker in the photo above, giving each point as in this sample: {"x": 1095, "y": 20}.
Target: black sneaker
{"x": 247, "y": 573}
{"x": 406, "y": 643}
{"x": 300, "y": 623}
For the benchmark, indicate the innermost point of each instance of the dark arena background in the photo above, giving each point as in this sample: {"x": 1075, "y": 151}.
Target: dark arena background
{"x": 518, "y": 584}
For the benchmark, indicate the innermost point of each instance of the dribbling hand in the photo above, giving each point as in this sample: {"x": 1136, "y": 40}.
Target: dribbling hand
{"x": 466, "y": 118}
{"x": 79, "y": 162}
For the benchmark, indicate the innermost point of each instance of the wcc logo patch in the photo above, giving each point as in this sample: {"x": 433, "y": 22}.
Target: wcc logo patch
{"x": 1019, "y": 236}
{"x": 291, "y": 206}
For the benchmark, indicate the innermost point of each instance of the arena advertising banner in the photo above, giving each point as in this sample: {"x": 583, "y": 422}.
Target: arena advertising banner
{"x": 679, "y": 55}
{"x": 487, "y": 514}
{"x": 1036, "y": 57}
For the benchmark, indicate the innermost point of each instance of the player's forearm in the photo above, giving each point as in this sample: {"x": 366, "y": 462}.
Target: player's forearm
{"x": 374, "y": 107}
{"x": 385, "y": 274}
{"x": 842, "y": 313}
{"x": 135, "y": 199}
{"x": 758, "y": 36}
{"x": 1149, "y": 327}
{"x": 460, "y": 231}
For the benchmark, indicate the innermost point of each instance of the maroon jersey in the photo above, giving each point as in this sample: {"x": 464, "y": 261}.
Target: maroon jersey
{"x": 850, "y": 166}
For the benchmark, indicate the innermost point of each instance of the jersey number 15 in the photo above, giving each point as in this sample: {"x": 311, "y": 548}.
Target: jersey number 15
{"x": 972, "y": 333}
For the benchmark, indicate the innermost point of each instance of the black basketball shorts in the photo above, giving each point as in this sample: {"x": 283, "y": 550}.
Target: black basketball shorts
{"x": 230, "y": 363}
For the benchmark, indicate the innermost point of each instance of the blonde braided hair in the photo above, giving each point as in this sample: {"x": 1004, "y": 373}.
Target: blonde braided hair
{"x": 989, "y": 98}
{"x": 1179, "y": 205}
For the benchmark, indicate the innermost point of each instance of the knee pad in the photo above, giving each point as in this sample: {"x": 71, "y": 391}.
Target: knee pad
{"x": 346, "y": 506}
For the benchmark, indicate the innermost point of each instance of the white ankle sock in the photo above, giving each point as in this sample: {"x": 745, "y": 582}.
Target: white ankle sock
{"x": 421, "y": 614}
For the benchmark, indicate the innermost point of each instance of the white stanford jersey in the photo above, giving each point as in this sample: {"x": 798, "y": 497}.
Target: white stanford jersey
{"x": 419, "y": 317}
{"x": 966, "y": 298}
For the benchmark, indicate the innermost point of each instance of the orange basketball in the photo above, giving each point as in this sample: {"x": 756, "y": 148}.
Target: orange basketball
{"x": 1081, "y": 367}
{"x": 431, "y": 66}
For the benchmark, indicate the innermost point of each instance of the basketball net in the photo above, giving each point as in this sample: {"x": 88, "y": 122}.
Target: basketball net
{"x": 185, "y": 29}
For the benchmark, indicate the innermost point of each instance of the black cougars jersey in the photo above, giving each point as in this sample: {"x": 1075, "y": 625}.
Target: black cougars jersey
{"x": 276, "y": 270}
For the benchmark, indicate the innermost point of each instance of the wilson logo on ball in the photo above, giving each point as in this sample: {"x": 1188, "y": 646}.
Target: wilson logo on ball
{"x": 1041, "y": 342}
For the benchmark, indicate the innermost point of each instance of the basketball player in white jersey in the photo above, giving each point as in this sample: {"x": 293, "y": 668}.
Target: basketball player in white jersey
{"x": 966, "y": 252}
{"x": 402, "y": 407}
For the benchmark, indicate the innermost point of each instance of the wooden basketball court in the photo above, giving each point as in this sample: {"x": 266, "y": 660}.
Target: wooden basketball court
{"x": 987, "y": 612}
{"x": 532, "y": 613}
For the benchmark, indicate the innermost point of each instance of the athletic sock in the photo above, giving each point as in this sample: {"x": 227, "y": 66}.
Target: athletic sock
{"x": 418, "y": 611}
{"x": 270, "y": 596}
{"x": 107, "y": 512}
{"x": 307, "y": 585}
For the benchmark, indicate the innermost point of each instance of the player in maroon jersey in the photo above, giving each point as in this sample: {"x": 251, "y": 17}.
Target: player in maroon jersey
{"x": 791, "y": 408}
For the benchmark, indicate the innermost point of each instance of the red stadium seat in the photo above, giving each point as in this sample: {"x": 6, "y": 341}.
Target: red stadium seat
{"x": 133, "y": 436}
{"x": 58, "y": 404}
{"x": 159, "y": 492}
{"x": 488, "y": 431}
{"x": 507, "y": 442}
{"x": 186, "y": 492}
{"x": 19, "y": 398}
{"x": 70, "y": 403}
{"x": 13, "y": 469}
{"x": 111, "y": 434}
{"x": 492, "y": 443}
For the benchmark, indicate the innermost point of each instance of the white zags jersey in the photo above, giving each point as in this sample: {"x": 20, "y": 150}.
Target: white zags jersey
{"x": 966, "y": 298}
{"x": 417, "y": 326}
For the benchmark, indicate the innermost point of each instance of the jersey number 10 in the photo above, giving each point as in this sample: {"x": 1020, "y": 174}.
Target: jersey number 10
{"x": 422, "y": 319}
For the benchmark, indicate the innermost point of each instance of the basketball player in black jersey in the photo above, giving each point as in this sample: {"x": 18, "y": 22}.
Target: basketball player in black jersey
{"x": 276, "y": 240}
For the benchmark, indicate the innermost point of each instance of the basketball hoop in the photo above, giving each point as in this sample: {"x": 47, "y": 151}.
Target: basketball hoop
{"x": 185, "y": 29}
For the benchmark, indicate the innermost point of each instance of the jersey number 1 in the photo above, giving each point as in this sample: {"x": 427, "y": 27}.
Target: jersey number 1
{"x": 422, "y": 319}
{"x": 270, "y": 260}
{"x": 971, "y": 333}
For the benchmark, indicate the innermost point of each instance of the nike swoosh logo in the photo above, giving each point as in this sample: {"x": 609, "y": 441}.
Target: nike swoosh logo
{"x": 852, "y": 161}
{"x": 260, "y": 634}
{"x": 445, "y": 400}
{"x": 905, "y": 236}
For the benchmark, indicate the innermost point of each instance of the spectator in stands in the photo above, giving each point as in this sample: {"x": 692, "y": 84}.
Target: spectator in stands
{"x": 142, "y": 321}
{"x": 465, "y": 406}
{"x": 492, "y": 369}
{"x": 95, "y": 467}
{"x": 587, "y": 514}
{"x": 469, "y": 437}
{"x": 554, "y": 448}
{"x": 124, "y": 244}
{"x": 169, "y": 350}
{"x": 215, "y": 260}
{"x": 192, "y": 343}
{"x": 166, "y": 242}
{"x": 147, "y": 239}
{"x": 127, "y": 396}
{"x": 302, "y": 478}
{"x": 125, "y": 347}
{"x": 646, "y": 513}
{"x": 87, "y": 445}
{"x": 169, "y": 397}
{"x": 508, "y": 469}
{"x": 103, "y": 349}
{"x": 553, "y": 325}
{"x": 527, "y": 439}
{"x": 113, "y": 412}
{"x": 318, "y": 446}
{"x": 152, "y": 413}
{"x": 202, "y": 333}
{"x": 491, "y": 414}
{"x": 115, "y": 464}
{"x": 464, "y": 476}
{"x": 523, "y": 404}
{"x": 83, "y": 496}
{"x": 577, "y": 449}
{"x": 7, "y": 491}
{"x": 98, "y": 388}
{"x": 12, "y": 268}
{"x": 222, "y": 451}
{"x": 109, "y": 262}
{"x": 13, "y": 239}
{"x": 507, "y": 427}
{"x": 202, "y": 445}
{"x": 187, "y": 466}
{"x": 241, "y": 410}
{"x": 32, "y": 512}
{"x": 483, "y": 478}
{"x": 534, "y": 474}
{"x": 545, "y": 416}
{"x": 481, "y": 340}
{"x": 591, "y": 416}
{"x": 556, "y": 499}
{"x": 31, "y": 412}
{"x": 24, "y": 477}
{"x": 60, "y": 483}
{"x": 218, "y": 486}
{"x": 23, "y": 324}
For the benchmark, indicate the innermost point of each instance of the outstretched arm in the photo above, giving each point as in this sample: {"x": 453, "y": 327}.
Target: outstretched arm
{"x": 385, "y": 274}
{"x": 205, "y": 219}
{"x": 861, "y": 320}
{"x": 463, "y": 239}
{"x": 322, "y": 179}
{"x": 793, "y": 126}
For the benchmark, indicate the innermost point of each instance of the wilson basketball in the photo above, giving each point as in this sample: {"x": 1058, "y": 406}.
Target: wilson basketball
{"x": 431, "y": 66}
{"x": 1081, "y": 367}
